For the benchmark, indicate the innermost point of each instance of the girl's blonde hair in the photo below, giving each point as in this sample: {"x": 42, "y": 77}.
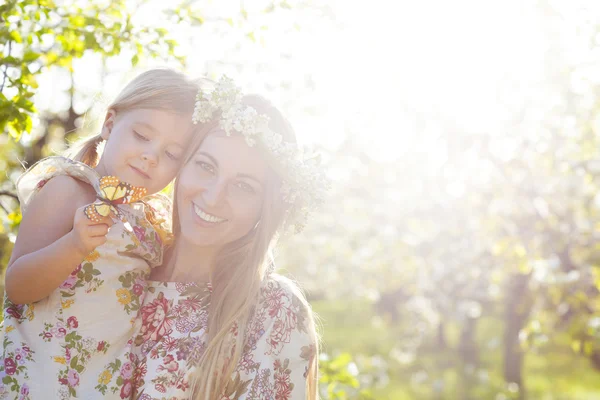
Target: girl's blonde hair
{"x": 156, "y": 89}
{"x": 237, "y": 276}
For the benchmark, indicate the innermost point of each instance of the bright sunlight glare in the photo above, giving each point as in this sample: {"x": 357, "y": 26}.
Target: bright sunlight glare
{"x": 390, "y": 75}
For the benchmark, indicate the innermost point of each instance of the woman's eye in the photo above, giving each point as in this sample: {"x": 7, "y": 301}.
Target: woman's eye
{"x": 245, "y": 187}
{"x": 140, "y": 136}
{"x": 206, "y": 166}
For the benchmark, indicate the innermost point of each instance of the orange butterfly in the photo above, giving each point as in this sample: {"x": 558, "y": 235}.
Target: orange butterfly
{"x": 112, "y": 193}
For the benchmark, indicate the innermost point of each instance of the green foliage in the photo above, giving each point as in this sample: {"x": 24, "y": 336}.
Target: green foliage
{"x": 337, "y": 380}
{"x": 425, "y": 291}
{"x": 38, "y": 35}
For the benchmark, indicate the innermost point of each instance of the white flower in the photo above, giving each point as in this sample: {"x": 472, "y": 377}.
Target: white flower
{"x": 89, "y": 343}
{"x": 304, "y": 184}
{"x": 63, "y": 392}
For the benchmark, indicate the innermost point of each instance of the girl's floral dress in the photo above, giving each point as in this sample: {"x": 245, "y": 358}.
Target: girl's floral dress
{"x": 76, "y": 343}
{"x": 279, "y": 346}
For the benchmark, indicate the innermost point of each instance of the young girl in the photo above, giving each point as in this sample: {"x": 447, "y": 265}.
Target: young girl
{"x": 87, "y": 241}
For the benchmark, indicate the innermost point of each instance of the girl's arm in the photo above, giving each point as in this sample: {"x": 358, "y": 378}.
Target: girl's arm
{"x": 54, "y": 238}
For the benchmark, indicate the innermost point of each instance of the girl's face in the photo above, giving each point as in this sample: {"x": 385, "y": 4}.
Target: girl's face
{"x": 144, "y": 147}
{"x": 220, "y": 191}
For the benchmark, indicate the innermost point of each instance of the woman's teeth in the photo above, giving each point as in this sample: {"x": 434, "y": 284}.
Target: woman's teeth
{"x": 207, "y": 217}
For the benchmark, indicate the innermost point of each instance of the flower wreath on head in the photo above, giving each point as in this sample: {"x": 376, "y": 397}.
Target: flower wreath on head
{"x": 304, "y": 184}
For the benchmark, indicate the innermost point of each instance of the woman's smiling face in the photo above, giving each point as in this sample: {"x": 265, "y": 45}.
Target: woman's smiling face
{"x": 220, "y": 191}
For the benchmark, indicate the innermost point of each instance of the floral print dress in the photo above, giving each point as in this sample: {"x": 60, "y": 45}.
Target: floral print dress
{"x": 76, "y": 343}
{"x": 279, "y": 345}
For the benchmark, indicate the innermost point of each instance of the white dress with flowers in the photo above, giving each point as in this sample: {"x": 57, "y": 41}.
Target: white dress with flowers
{"x": 76, "y": 342}
{"x": 279, "y": 346}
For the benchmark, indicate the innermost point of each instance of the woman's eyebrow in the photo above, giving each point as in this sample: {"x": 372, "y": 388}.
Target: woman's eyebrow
{"x": 252, "y": 177}
{"x": 212, "y": 159}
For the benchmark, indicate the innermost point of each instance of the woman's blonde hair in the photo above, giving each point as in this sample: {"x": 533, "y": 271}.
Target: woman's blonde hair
{"x": 237, "y": 276}
{"x": 156, "y": 89}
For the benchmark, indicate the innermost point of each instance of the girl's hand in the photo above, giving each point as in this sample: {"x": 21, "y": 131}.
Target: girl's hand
{"x": 86, "y": 234}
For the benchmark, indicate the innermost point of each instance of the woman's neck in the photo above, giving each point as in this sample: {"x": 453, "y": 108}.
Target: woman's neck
{"x": 186, "y": 263}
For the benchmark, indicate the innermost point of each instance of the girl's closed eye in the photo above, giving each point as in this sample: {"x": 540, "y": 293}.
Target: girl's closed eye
{"x": 140, "y": 136}
{"x": 172, "y": 156}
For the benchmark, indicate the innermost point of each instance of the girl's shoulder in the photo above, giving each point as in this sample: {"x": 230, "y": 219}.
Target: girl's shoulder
{"x": 36, "y": 177}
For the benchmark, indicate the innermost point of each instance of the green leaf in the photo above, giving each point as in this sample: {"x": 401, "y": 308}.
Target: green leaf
{"x": 16, "y": 36}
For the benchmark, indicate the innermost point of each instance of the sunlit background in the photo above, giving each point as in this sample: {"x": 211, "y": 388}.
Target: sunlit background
{"x": 457, "y": 255}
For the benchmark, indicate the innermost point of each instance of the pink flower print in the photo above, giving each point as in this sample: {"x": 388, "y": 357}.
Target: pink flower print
{"x": 127, "y": 370}
{"x": 72, "y": 322}
{"x": 140, "y": 233}
{"x": 24, "y": 390}
{"x": 20, "y": 355}
{"x": 69, "y": 282}
{"x": 41, "y": 184}
{"x": 63, "y": 381}
{"x": 154, "y": 353}
{"x": 182, "y": 384}
{"x": 140, "y": 372}
{"x": 283, "y": 385}
{"x": 73, "y": 378}
{"x": 68, "y": 354}
{"x": 155, "y": 323}
{"x": 169, "y": 343}
{"x": 160, "y": 388}
{"x": 126, "y": 389}
{"x": 76, "y": 270}
{"x": 59, "y": 330}
{"x": 26, "y": 349}
{"x": 169, "y": 363}
{"x": 138, "y": 289}
{"x": 15, "y": 311}
{"x": 101, "y": 345}
{"x": 47, "y": 335}
{"x": 10, "y": 366}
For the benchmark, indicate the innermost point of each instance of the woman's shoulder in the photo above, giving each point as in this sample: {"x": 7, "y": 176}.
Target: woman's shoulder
{"x": 283, "y": 322}
{"x": 283, "y": 283}
{"x": 278, "y": 291}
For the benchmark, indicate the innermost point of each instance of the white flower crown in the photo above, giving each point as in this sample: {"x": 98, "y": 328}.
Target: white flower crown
{"x": 304, "y": 184}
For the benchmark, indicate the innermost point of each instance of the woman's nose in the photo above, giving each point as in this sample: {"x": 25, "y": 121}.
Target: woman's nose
{"x": 214, "y": 193}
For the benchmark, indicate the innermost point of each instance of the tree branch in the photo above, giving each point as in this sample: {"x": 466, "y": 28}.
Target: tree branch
{"x": 5, "y": 73}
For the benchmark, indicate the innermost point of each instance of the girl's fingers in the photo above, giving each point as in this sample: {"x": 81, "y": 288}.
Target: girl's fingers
{"x": 97, "y": 230}
{"x": 108, "y": 221}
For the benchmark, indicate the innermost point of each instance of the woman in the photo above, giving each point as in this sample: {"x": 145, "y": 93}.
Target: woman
{"x": 217, "y": 323}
